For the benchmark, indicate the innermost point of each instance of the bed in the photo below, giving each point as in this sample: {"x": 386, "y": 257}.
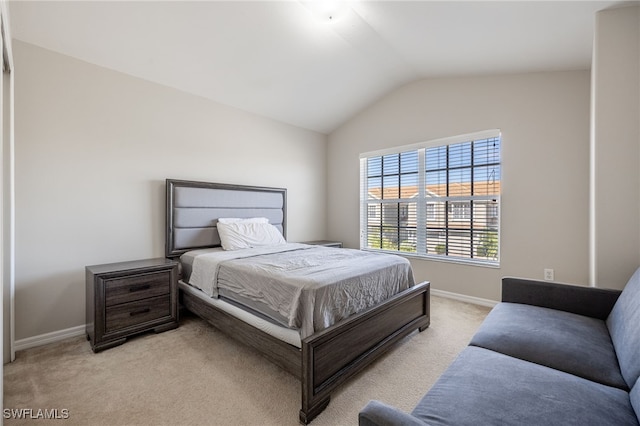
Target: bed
{"x": 324, "y": 359}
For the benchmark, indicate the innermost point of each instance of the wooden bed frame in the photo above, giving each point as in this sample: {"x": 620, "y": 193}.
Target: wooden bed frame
{"x": 326, "y": 359}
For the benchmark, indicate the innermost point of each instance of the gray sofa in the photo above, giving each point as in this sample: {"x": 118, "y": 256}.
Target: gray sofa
{"x": 549, "y": 354}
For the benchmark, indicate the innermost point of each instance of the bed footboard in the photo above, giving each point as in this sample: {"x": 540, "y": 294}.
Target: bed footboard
{"x": 332, "y": 356}
{"x": 280, "y": 353}
{"x": 329, "y": 358}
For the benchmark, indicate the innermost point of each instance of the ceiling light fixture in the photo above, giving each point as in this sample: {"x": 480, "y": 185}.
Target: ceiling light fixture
{"x": 328, "y": 10}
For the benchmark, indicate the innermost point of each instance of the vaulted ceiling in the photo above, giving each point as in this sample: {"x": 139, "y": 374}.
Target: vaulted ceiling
{"x": 279, "y": 60}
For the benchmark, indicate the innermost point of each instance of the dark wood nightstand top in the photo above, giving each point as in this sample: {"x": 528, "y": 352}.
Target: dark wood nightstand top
{"x": 130, "y": 265}
{"x": 327, "y": 243}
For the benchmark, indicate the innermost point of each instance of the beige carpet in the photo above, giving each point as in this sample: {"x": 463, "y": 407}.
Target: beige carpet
{"x": 195, "y": 375}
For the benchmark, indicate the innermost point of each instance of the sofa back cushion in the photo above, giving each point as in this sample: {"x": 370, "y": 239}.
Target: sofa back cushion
{"x": 623, "y": 327}
{"x": 635, "y": 398}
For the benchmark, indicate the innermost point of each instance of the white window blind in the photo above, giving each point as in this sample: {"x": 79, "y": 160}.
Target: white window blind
{"x": 438, "y": 199}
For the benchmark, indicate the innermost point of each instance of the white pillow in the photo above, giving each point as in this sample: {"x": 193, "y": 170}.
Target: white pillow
{"x": 242, "y": 235}
{"x": 246, "y": 220}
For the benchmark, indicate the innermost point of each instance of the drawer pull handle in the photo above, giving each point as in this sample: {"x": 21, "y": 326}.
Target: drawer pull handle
{"x": 139, "y": 288}
{"x": 140, "y": 312}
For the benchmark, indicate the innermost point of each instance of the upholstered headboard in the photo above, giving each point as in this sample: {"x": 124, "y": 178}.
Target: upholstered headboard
{"x": 193, "y": 209}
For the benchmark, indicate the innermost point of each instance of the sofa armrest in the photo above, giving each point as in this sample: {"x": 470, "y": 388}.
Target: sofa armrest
{"x": 376, "y": 413}
{"x": 588, "y": 301}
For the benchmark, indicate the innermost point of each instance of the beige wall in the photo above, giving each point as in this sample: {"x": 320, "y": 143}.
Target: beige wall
{"x": 93, "y": 148}
{"x": 544, "y": 118}
{"x": 615, "y": 146}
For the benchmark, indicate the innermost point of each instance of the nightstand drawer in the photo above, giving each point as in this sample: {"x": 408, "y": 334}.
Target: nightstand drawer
{"x": 136, "y": 287}
{"x": 134, "y": 313}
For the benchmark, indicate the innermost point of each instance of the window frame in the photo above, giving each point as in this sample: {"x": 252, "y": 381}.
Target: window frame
{"x": 423, "y": 213}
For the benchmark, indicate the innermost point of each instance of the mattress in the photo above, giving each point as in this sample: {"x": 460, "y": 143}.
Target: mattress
{"x": 186, "y": 260}
{"x": 281, "y": 333}
{"x": 302, "y": 287}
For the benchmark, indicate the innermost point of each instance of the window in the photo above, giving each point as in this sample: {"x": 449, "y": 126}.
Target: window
{"x": 460, "y": 211}
{"x": 438, "y": 199}
{"x": 373, "y": 211}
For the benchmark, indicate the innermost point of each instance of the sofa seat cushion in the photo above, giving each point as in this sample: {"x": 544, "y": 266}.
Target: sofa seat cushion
{"x": 568, "y": 342}
{"x": 483, "y": 387}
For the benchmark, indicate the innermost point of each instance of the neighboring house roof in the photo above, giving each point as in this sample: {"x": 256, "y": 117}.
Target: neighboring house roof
{"x": 393, "y": 192}
{"x": 437, "y": 190}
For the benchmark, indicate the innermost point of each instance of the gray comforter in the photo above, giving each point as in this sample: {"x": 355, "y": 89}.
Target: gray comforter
{"x": 310, "y": 287}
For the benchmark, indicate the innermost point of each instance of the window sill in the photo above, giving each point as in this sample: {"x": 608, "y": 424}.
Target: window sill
{"x": 487, "y": 264}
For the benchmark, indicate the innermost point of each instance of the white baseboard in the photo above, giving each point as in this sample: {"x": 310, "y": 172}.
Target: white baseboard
{"x": 54, "y": 336}
{"x": 464, "y": 298}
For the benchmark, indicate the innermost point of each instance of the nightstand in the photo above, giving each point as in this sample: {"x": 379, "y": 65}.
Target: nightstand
{"x": 325, "y": 243}
{"x": 128, "y": 298}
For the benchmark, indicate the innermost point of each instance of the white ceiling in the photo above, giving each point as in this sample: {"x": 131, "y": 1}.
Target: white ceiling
{"x": 276, "y": 59}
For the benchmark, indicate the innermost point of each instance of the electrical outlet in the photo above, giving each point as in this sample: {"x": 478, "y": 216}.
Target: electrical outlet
{"x": 548, "y": 274}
